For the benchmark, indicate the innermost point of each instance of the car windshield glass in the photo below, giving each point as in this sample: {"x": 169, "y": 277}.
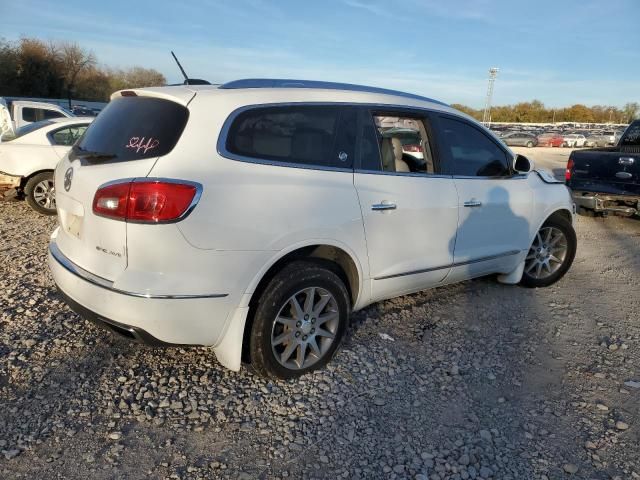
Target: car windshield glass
{"x": 133, "y": 128}
{"x": 631, "y": 137}
{"x": 32, "y": 127}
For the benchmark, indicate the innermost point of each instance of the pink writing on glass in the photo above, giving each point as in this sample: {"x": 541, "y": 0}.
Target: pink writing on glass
{"x": 139, "y": 144}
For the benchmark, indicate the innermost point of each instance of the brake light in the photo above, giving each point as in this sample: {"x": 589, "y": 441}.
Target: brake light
{"x": 145, "y": 201}
{"x": 567, "y": 173}
{"x": 412, "y": 148}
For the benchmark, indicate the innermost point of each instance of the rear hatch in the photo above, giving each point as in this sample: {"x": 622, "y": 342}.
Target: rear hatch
{"x": 125, "y": 141}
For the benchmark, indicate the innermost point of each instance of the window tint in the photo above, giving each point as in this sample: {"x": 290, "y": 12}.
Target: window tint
{"x": 29, "y": 114}
{"x": 48, "y": 114}
{"x": 32, "y": 127}
{"x": 133, "y": 128}
{"x": 396, "y": 143}
{"x": 472, "y": 152}
{"x": 631, "y": 137}
{"x": 306, "y": 135}
{"x": 68, "y": 136}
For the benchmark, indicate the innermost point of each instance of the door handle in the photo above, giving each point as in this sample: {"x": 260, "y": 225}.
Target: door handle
{"x": 473, "y": 203}
{"x": 384, "y": 205}
{"x": 625, "y": 160}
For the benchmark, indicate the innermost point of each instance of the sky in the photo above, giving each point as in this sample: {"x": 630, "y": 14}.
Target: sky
{"x": 561, "y": 52}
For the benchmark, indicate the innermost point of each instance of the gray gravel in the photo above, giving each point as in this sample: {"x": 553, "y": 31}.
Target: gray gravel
{"x": 477, "y": 380}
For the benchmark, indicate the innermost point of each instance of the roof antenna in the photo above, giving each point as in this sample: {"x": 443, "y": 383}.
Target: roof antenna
{"x": 187, "y": 80}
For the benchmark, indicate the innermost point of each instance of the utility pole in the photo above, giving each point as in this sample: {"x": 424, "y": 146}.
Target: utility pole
{"x": 486, "y": 117}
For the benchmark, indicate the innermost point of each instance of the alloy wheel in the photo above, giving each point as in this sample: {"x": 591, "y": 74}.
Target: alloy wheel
{"x": 45, "y": 195}
{"x": 547, "y": 253}
{"x": 305, "y": 328}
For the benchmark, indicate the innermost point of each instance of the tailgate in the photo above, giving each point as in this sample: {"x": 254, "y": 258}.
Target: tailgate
{"x": 606, "y": 170}
{"x": 124, "y": 142}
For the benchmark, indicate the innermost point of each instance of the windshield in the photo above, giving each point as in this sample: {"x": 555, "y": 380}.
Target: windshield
{"x": 32, "y": 127}
{"x": 132, "y": 128}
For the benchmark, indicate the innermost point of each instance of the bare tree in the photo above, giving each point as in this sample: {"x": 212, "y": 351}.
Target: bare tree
{"x": 631, "y": 111}
{"x": 73, "y": 59}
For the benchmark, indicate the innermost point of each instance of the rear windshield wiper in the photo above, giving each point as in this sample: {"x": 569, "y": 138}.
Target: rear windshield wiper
{"x": 90, "y": 155}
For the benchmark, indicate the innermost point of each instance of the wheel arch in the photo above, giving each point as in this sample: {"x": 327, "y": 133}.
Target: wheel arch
{"x": 26, "y": 178}
{"x": 338, "y": 257}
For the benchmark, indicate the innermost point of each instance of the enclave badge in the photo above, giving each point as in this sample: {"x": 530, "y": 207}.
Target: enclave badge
{"x": 68, "y": 176}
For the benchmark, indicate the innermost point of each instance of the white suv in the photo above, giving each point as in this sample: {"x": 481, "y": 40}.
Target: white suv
{"x": 255, "y": 216}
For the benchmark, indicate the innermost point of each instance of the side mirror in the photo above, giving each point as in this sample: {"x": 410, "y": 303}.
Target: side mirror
{"x": 522, "y": 164}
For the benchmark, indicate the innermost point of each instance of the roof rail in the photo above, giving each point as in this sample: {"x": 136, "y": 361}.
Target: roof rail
{"x": 286, "y": 83}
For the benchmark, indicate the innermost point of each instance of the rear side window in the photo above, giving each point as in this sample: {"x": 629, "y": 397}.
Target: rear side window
{"x": 313, "y": 135}
{"x": 472, "y": 152}
{"x": 67, "y": 136}
{"x": 631, "y": 137}
{"x": 132, "y": 128}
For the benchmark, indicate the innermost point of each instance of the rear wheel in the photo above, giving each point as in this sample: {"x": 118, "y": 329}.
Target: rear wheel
{"x": 40, "y": 193}
{"x": 299, "y": 320}
{"x": 529, "y": 144}
{"x": 551, "y": 253}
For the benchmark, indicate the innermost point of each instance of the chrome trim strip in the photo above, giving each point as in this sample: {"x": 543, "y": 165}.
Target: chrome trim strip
{"x": 108, "y": 285}
{"x": 453, "y": 265}
{"x": 403, "y": 174}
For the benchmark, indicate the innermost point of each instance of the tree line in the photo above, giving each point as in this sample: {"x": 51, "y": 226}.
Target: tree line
{"x": 536, "y": 112}
{"x": 32, "y": 68}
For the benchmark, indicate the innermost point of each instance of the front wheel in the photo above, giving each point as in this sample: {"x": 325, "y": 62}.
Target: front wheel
{"x": 529, "y": 144}
{"x": 40, "y": 193}
{"x": 551, "y": 253}
{"x": 299, "y": 320}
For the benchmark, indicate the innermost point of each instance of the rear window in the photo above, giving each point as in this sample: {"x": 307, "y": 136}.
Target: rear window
{"x": 631, "y": 137}
{"x": 132, "y": 128}
{"x": 32, "y": 127}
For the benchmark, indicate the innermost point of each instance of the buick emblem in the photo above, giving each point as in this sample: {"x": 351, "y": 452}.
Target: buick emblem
{"x": 68, "y": 176}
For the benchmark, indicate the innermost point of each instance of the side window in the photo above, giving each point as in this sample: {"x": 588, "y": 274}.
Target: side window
{"x": 68, "y": 136}
{"x": 49, "y": 114}
{"x": 306, "y": 135}
{"x": 396, "y": 143}
{"x": 472, "y": 152}
{"x": 29, "y": 114}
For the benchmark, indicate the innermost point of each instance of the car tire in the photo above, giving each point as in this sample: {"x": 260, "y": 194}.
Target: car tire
{"x": 562, "y": 247}
{"x": 529, "y": 144}
{"x": 564, "y": 145}
{"x": 280, "y": 331}
{"x": 40, "y": 193}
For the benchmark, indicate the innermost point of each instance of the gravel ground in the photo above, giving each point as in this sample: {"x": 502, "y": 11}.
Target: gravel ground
{"x": 476, "y": 380}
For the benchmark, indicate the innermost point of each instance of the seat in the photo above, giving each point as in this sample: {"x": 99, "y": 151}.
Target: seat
{"x": 388, "y": 157}
{"x": 400, "y": 164}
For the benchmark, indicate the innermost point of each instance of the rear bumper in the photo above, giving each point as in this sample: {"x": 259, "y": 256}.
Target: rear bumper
{"x": 155, "y": 320}
{"x": 603, "y": 202}
{"x": 9, "y": 185}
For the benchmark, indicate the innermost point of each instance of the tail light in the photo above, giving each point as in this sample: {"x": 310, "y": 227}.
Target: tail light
{"x": 146, "y": 201}
{"x": 412, "y": 148}
{"x": 567, "y": 173}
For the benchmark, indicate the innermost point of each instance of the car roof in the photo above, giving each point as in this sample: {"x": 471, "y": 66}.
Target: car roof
{"x": 298, "y": 90}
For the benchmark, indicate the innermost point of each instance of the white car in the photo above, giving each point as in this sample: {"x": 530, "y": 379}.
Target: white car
{"x": 574, "y": 140}
{"x": 26, "y": 112}
{"x": 27, "y": 161}
{"x": 253, "y": 217}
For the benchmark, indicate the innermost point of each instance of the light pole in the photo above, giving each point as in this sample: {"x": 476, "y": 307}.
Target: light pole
{"x": 486, "y": 117}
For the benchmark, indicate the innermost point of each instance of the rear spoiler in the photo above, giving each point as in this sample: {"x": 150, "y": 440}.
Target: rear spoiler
{"x": 179, "y": 94}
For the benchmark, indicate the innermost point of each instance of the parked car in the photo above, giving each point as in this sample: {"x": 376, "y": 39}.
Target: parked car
{"x": 550, "y": 140}
{"x": 82, "y": 111}
{"x": 28, "y": 160}
{"x": 24, "y": 112}
{"x": 520, "y": 140}
{"x": 607, "y": 180}
{"x": 573, "y": 140}
{"x": 610, "y": 137}
{"x": 255, "y": 216}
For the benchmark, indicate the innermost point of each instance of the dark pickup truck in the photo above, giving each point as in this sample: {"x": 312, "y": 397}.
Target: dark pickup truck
{"x": 607, "y": 180}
